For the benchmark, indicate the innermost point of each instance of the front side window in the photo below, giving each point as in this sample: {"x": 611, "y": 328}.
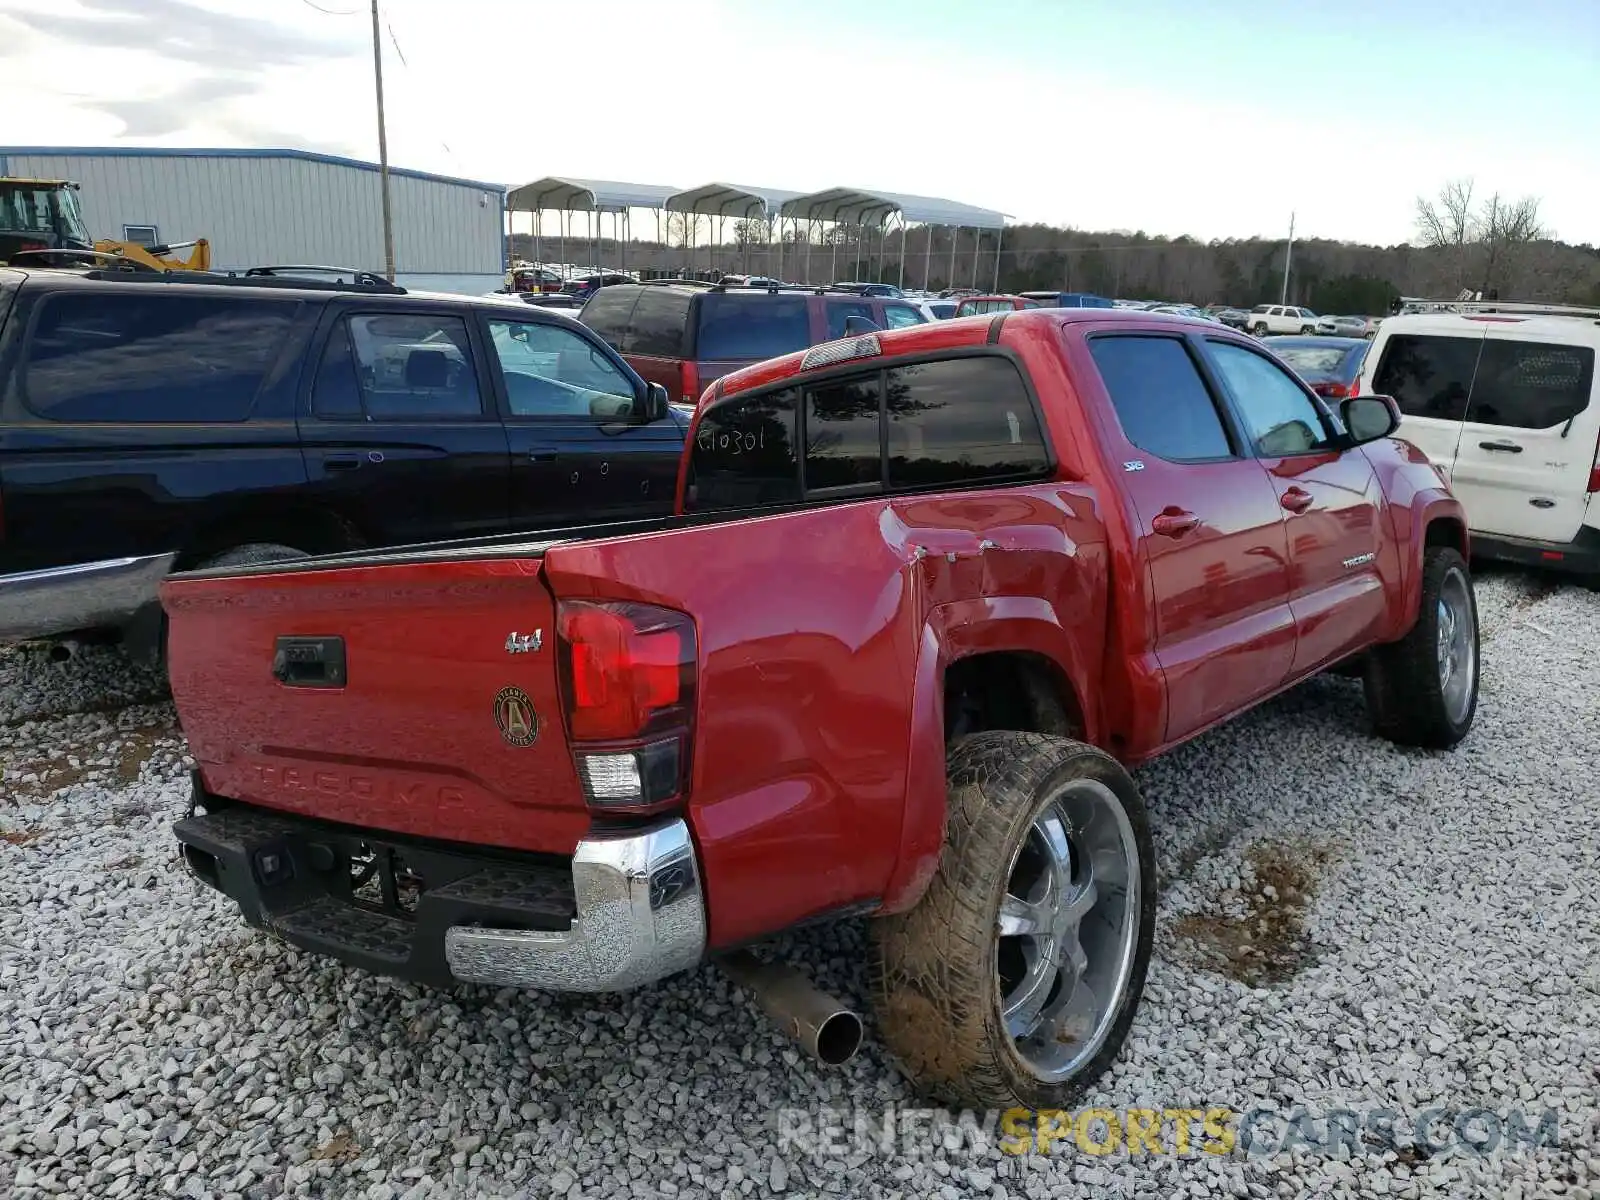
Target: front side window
{"x": 157, "y": 358}
{"x": 552, "y": 372}
{"x": 1278, "y": 416}
{"x": 1162, "y": 403}
{"x": 842, "y": 424}
{"x": 838, "y": 314}
{"x": 1428, "y": 376}
{"x": 1530, "y": 385}
{"x": 961, "y": 420}
{"x": 744, "y": 453}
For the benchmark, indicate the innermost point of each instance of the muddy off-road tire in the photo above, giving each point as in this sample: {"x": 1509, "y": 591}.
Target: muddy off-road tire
{"x": 1046, "y": 889}
{"x": 1423, "y": 689}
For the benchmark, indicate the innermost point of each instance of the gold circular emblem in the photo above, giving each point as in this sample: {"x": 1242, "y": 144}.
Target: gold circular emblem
{"x": 513, "y": 712}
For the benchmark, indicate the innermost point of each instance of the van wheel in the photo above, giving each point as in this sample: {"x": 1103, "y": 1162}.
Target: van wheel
{"x": 1015, "y": 978}
{"x": 250, "y": 555}
{"x": 1423, "y": 689}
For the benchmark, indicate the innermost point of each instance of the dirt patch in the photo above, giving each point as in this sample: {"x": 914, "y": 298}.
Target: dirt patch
{"x": 1268, "y": 944}
{"x": 50, "y": 775}
{"x": 20, "y": 837}
{"x": 136, "y": 750}
{"x": 340, "y": 1148}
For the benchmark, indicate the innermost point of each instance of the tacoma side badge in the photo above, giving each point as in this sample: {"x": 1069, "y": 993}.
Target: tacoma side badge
{"x": 522, "y": 643}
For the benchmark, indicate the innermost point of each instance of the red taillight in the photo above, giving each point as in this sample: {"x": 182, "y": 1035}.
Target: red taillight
{"x": 1332, "y": 389}
{"x": 628, "y": 681}
{"x": 691, "y": 383}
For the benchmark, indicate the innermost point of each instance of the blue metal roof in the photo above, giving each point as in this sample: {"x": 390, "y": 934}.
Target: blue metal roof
{"x": 235, "y": 152}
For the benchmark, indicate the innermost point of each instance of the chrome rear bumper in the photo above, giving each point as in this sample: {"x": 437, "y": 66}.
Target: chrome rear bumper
{"x": 641, "y": 916}
{"x": 94, "y": 595}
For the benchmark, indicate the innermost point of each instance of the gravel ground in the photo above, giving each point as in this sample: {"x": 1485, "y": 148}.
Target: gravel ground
{"x": 1344, "y": 925}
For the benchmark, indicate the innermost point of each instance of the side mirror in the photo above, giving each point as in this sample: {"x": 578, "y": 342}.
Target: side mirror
{"x": 854, "y": 326}
{"x": 1368, "y": 418}
{"x": 657, "y": 403}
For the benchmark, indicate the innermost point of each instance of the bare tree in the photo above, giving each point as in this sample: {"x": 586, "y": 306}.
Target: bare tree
{"x": 1448, "y": 220}
{"x": 1506, "y": 227}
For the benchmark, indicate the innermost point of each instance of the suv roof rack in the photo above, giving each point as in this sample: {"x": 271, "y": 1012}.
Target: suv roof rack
{"x": 1470, "y": 302}
{"x": 772, "y": 289}
{"x": 361, "y": 279}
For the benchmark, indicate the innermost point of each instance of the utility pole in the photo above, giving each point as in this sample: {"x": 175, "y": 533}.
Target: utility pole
{"x": 1288, "y": 257}
{"x": 383, "y": 149}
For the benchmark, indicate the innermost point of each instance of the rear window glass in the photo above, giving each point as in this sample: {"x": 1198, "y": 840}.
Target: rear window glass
{"x": 1428, "y": 376}
{"x": 744, "y": 453}
{"x": 659, "y": 321}
{"x": 1530, "y": 385}
{"x": 751, "y": 327}
{"x": 151, "y": 357}
{"x": 1162, "y": 403}
{"x": 961, "y": 420}
{"x": 1313, "y": 360}
{"x": 607, "y": 313}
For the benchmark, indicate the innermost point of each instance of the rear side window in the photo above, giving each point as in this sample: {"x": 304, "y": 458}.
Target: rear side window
{"x": 607, "y": 313}
{"x": 961, "y": 420}
{"x": 1428, "y": 376}
{"x": 744, "y": 453}
{"x": 660, "y": 320}
{"x": 408, "y": 366}
{"x": 1530, "y": 385}
{"x": 751, "y": 326}
{"x": 842, "y": 434}
{"x": 1161, "y": 402}
{"x": 151, "y": 357}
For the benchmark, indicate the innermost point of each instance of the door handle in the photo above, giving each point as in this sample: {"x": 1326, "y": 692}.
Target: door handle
{"x": 1501, "y": 447}
{"x": 542, "y": 454}
{"x": 1297, "y": 500}
{"x": 1173, "y": 522}
{"x": 341, "y": 462}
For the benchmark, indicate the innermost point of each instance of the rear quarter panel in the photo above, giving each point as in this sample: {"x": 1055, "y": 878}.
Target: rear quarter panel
{"x": 817, "y": 784}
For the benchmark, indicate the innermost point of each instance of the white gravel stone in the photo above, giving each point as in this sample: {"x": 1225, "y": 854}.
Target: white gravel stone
{"x": 1446, "y": 953}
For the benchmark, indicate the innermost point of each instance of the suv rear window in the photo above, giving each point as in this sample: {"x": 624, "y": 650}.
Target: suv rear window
{"x": 151, "y": 358}
{"x": 1530, "y": 385}
{"x": 1428, "y": 376}
{"x": 751, "y": 327}
{"x": 607, "y": 313}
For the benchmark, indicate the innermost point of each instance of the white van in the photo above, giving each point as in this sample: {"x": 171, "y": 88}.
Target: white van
{"x": 1503, "y": 399}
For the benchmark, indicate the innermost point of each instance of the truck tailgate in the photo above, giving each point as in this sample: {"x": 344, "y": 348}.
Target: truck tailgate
{"x": 383, "y": 695}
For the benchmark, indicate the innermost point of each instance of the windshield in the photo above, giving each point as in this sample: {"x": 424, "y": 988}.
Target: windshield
{"x": 69, "y": 220}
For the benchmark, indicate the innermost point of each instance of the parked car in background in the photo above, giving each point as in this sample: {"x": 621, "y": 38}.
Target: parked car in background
{"x": 887, "y": 290}
{"x": 1330, "y": 365}
{"x": 154, "y": 422}
{"x": 1503, "y": 399}
{"x": 534, "y": 279}
{"x": 588, "y": 285}
{"x": 941, "y": 310}
{"x": 1233, "y": 318}
{"x": 975, "y": 306}
{"x": 917, "y": 618}
{"x": 1193, "y": 312}
{"x": 1281, "y": 318}
{"x": 686, "y": 338}
{"x": 1068, "y": 299}
{"x": 1349, "y": 327}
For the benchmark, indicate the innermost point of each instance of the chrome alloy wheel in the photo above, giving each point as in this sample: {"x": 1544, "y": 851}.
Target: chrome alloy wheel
{"x": 1067, "y": 928}
{"x": 1457, "y": 646}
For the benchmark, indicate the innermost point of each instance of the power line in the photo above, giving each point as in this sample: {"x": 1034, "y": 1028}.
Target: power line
{"x": 331, "y": 12}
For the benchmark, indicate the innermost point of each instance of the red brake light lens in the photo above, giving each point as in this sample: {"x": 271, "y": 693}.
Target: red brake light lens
{"x": 628, "y": 669}
{"x": 691, "y": 383}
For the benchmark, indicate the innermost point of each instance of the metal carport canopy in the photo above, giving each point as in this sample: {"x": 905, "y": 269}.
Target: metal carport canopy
{"x": 594, "y": 195}
{"x": 855, "y": 206}
{"x": 730, "y": 200}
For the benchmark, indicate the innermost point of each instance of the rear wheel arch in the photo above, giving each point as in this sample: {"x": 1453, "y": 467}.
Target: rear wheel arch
{"x": 312, "y": 530}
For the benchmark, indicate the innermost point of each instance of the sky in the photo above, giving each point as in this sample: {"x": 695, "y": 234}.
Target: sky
{"x": 1212, "y": 118}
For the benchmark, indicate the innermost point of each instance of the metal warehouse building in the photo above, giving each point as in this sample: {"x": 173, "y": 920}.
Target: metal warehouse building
{"x": 263, "y": 207}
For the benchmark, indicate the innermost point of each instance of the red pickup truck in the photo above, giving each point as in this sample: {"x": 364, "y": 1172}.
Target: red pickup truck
{"x": 928, "y": 594}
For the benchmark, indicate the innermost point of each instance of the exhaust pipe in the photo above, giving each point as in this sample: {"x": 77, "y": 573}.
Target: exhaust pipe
{"x": 66, "y": 649}
{"x": 827, "y": 1030}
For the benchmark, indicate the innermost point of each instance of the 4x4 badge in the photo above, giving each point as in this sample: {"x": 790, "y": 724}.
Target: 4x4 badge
{"x": 522, "y": 643}
{"x": 513, "y": 712}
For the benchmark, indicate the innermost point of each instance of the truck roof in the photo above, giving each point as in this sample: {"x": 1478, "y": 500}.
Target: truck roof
{"x": 955, "y": 334}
